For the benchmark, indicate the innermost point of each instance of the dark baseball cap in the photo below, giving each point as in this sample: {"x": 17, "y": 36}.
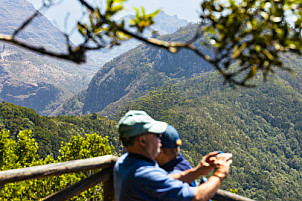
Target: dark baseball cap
{"x": 136, "y": 122}
{"x": 170, "y": 138}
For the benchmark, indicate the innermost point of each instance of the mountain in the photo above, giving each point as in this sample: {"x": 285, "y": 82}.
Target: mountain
{"x": 42, "y": 97}
{"x": 61, "y": 78}
{"x": 22, "y": 68}
{"x": 137, "y": 71}
{"x": 143, "y": 68}
{"x": 41, "y": 33}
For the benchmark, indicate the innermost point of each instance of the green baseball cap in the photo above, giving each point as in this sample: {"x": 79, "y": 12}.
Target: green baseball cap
{"x": 135, "y": 122}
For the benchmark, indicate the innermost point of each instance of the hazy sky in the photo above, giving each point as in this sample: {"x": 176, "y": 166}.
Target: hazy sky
{"x": 184, "y": 9}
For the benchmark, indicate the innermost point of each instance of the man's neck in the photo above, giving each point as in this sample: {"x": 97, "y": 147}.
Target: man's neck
{"x": 139, "y": 151}
{"x": 163, "y": 158}
{"x": 140, "y": 157}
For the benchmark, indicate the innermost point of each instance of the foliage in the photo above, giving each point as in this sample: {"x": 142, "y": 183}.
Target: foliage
{"x": 79, "y": 148}
{"x": 17, "y": 154}
{"x": 49, "y": 132}
{"x": 23, "y": 153}
{"x": 253, "y": 33}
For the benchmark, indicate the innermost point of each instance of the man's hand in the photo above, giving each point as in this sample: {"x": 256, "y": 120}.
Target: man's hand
{"x": 207, "y": 163}
{"x": 222, "y": 164}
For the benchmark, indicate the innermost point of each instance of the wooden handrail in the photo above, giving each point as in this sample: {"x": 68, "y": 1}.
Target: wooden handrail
{"x": 222, "y": 195}
{"x": 105, "y": 163}
{"x": 54, "y": 169}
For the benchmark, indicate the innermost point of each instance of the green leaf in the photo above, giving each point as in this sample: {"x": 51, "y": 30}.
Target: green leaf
{"x": 251, "y": 73}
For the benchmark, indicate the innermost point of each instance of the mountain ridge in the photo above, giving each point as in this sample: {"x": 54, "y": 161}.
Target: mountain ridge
{"x": 24, "y": 66}
{"x": 130, "y": 73}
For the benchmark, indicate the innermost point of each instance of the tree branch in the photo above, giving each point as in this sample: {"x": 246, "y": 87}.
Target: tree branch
{"x": 83, "y": 2}
{"x": 37, "y": 13}
{"x": 77, "y": 56}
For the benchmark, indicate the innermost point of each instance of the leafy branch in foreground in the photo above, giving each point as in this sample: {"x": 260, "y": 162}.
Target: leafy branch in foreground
{"x": 249, "y": 33}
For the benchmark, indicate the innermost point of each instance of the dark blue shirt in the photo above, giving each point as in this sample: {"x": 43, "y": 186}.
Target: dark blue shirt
{"x": 138, "y": 179}
{"x": 178, "y": 165}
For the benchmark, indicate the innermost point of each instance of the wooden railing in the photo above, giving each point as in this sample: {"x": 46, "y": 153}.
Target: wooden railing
{"x": 104, "y": 176}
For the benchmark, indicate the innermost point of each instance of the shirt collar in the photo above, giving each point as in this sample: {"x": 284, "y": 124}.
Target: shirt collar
{"x": 140, "y": 157}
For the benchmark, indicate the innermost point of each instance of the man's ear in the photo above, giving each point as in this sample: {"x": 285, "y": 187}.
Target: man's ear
{"x": 142, "y": 140}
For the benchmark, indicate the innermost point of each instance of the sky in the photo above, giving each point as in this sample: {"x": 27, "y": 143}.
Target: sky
{"x": 184, "y": 9}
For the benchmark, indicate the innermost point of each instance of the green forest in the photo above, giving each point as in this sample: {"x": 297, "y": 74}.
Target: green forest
{"x": 49, "y": 132}
{"x": 28, "y": 139}
{"x": 22, "y": 152}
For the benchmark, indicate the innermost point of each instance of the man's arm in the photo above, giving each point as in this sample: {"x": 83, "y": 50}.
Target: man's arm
{"x": 205, "y": 191}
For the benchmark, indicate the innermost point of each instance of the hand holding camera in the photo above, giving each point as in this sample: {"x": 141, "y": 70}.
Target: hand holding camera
{"x": 222, "y": 164}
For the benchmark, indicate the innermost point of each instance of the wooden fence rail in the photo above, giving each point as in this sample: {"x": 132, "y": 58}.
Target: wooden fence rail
{"x": 55, "y": 169}
{"x": 104, "y": 176}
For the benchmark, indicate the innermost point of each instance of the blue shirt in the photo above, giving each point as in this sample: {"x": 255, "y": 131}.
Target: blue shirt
{"x": 138, "y": 178}
{"x": 178, "y": 165}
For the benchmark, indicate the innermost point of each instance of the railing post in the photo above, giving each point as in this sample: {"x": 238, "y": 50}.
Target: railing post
{"x": 108, "y": 188}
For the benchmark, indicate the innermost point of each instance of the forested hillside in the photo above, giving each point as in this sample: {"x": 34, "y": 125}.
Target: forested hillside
{"x": 261, "y": 127}
{"x": 49, "y": 132}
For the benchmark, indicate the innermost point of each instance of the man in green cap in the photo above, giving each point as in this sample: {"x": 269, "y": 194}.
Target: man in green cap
{"x": 137, "y": 176}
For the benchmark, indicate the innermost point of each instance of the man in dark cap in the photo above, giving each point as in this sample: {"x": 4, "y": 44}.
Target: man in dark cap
{"x": 137, "y": 175}
{"x": 170, "y": 158}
